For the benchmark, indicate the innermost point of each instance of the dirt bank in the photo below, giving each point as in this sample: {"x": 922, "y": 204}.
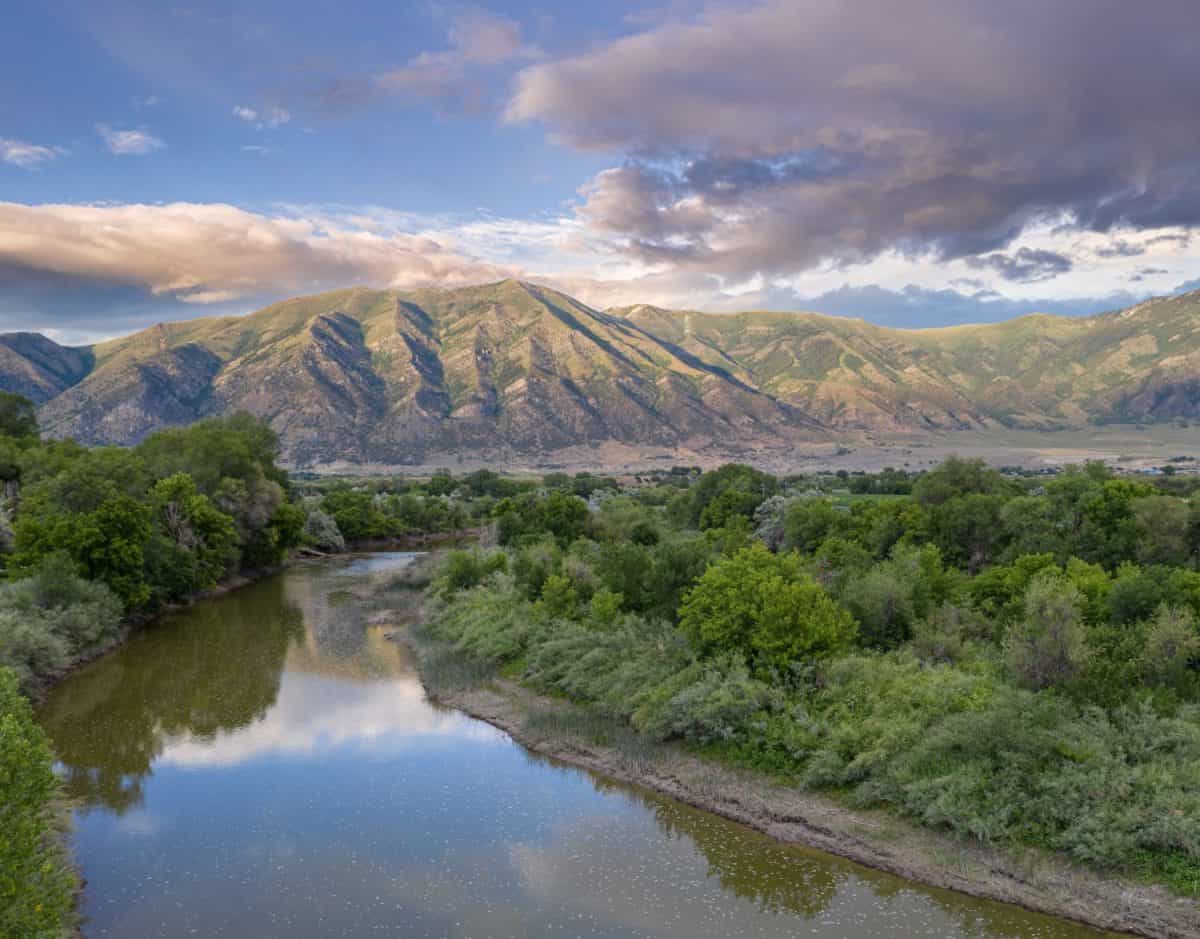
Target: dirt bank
{"x": 1034, "y": 880}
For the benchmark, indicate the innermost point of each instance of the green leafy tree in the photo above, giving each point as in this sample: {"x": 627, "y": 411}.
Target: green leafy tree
{"x": 197, "y": 533}
{"x": 731, "y": 490}
{"x": 808, "y": 522}
{"x": 18, "y": 417}
{"x": 1163, "y": 531}
{"x": 108, "y": 544}
{"x": 955, "y": 478}
{"x": 356, "y": 513}
{"x": 969, "y": 529}
{"x": 762, "y": 605}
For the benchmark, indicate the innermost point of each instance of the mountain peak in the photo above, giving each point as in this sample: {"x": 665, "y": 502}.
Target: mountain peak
{"x": 513, "y": 368}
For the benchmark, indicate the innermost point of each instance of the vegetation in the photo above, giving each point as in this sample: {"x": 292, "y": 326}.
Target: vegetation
{"x": 99, "y": 534}
{"x": 36, "y": 882}
{"x": 1013, "y": 659}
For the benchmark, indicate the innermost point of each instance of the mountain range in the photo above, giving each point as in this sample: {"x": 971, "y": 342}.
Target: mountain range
{"x": 513, "y": 368}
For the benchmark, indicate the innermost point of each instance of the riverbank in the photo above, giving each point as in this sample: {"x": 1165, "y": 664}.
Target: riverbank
{"x": 140, "y": 619}
{"x": 1033, "y": 880}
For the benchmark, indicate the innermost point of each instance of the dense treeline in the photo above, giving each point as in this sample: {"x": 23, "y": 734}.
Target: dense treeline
{"x": 92, "y": 535}
{"x": 1011, "y": 659}
{"x": 395, "y": 507}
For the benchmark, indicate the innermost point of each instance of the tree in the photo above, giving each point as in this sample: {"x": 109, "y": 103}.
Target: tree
{"x": 733, "y": 489}
{"x": 968, "y": 529}
{"x": 957, "y": 477}
{"x": 18, "y": 417}
{"x": 1163, "y": 531}
{"x": 1108, "y": 530}
{"x": 322, "y": 532}
{"x": 240, "y": 446}
{"x": 195, "y": 529}
{"x": 108, "y": 544}
{"x": 761, "y": 605}
{"x": 1172, "y": 650}
{"x": 808, "y": 522}
{"x": 356, "y": 514}
{"x": 1047, "y": 647}
{"x": 1032, "y": 526}
{"x": 883, "y": 605}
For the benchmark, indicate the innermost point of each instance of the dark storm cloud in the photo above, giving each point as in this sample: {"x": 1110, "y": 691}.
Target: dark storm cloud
{"x": 1025, "y": 265}
{"x": 775, "y": 137}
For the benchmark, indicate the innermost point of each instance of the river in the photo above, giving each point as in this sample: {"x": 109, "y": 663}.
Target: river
{"x": 265, "y": 764}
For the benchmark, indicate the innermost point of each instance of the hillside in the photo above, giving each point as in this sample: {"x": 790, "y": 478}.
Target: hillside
{"x": 517, "y": 369}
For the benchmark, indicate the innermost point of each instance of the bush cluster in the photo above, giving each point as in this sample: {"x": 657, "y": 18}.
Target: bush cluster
{"x": 1011, "y": 659}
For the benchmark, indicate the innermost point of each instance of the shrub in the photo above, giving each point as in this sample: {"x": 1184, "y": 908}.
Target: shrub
{"x": 1048, "y": 645}
{"x": 488, "y": 624}
{"x": 947, "y": 634}
{"x": 462, "y": 570}
{"x": 322, "y": 532}
{"x": 713, "y": 702}
{"x": 36, "y": 882}
{"x": 52, "y": 618}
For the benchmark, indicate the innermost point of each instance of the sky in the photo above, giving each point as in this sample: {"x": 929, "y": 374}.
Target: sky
{"x": 966, "y": 161}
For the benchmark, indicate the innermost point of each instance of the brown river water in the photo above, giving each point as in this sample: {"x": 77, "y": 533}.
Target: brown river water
{"x": 265, "y": 764}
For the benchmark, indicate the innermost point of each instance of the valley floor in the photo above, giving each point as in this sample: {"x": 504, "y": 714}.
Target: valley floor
{"x": 1126, "y": 446}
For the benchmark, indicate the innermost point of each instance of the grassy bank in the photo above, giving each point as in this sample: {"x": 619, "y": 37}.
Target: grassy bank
{"x": 585, "y": 736}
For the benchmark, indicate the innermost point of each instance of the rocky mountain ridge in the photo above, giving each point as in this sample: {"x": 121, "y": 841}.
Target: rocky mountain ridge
{"x": 513, "y": 368}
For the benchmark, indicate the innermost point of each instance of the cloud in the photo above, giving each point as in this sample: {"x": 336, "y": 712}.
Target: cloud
{"x": 205, "y": 254}
{"x": 270, "y": 117}
{"x": 1120, "y": 248}
{"x": 1024, "y": 265}
{"x": 478, "y": 40}
{"x": 28, "y": 156}
{"x": 128, "y": 142}
{"x": 788, "y": 135}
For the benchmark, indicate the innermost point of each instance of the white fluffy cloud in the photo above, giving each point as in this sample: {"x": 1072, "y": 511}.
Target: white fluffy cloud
{"x": 477, "y": 40}
{"x": 272, "y": 117}
{"x": 28, "y": 156}
{"x": 214, "y": 253}
{"x": 128, "y": 142}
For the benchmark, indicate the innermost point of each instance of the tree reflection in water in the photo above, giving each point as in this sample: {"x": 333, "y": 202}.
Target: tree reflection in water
{"x": 212, "y": 668}
{"x": 778, "y": 877}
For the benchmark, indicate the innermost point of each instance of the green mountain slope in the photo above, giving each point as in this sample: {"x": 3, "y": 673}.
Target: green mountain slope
{"x": 515, "y": 369}
{"x": 1037, "y": 371}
